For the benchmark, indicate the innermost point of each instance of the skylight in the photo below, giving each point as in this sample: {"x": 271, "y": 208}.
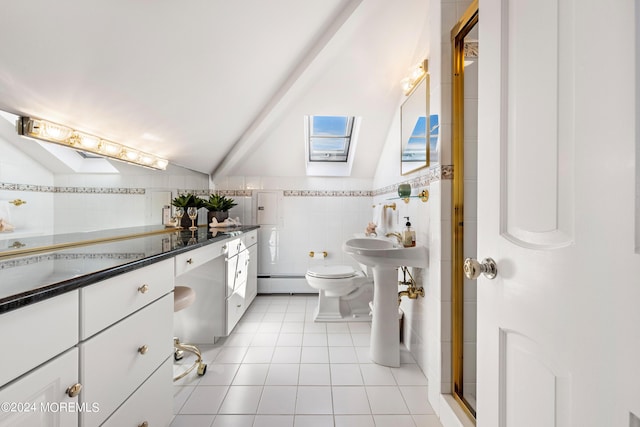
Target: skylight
{"x": 329, "y": 138}
{"x": 329, "y": 144}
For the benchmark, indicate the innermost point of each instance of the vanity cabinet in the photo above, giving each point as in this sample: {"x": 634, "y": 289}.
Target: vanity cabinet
{"x": 124, "y": 346}
{"x": 225, "y": 283}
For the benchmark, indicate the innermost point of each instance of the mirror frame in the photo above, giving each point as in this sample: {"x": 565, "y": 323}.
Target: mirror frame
{"x": 409, "y": 110}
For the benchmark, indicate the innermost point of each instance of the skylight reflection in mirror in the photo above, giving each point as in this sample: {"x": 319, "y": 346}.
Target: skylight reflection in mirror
{"x": 329, "y": 138}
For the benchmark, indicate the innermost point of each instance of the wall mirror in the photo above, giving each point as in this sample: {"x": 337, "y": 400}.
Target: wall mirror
{"x": 414, "y": 127}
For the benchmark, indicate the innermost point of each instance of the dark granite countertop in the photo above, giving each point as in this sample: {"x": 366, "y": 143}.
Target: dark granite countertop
{"x": 81, "y": 259}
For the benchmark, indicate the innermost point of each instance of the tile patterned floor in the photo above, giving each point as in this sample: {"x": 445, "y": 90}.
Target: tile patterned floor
{"x": 278, "y": 368}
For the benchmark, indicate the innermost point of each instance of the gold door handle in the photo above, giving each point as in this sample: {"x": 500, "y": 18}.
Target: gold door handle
{"x": 17, "y": 202}
{"x": 472, "y": 268}
{"x": 143, "y": 349}
{"x": 74, "y": 390}
{"x": 143, "y": 289}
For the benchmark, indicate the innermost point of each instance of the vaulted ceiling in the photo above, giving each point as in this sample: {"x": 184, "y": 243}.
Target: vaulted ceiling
{"x": 214, "y": 85}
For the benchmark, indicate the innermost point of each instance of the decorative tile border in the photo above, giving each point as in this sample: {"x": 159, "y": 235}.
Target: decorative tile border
{"x": 434, "y": 174}
{"x": 21, "y": 262}
{"x": 81, "y": 190}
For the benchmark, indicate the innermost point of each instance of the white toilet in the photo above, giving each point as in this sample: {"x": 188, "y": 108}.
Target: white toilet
{"x": 344, "y": 293}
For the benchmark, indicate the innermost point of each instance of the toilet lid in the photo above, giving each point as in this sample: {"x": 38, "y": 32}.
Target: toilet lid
{"x": 331, "y": 271}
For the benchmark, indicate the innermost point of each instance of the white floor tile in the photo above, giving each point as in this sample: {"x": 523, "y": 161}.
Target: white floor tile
{"x": 230, "y": 355}
{"x": 361, "y": 340}
{"x": 233, "y": 421}
{"x": 241, "y": 400}
{"x": 246, "y": 326}
{"x": 273, "y": 421}
{"x": 374, "y": 374}
{"x": 180, "y": 395}
{"x": 409, "y": 374}
{"x": 342, "y": 328}
{"x": 313, "y": 421}
{"x": 386, "y": 400}
{"x": 258, "y": 355}
{"x": 219, "y": 374}
{"x": 354, "y": 421}
{"x": 278, "y": 400}
{"x": 270, "y": 316}
{"x": 363, "y": 354}
{"x": 427, "y": 421}
{"x": 314, "y": 340}
{"x": 283, "y": 374}
{"x": 394, "y": 421}
{"x": 315, "y": 327}
{"x": 314, "y": 400}
{"x": 204, "y": 400}
{"x": 292, "y": 328}
{"x": 314, "y": 374}
{"x": 290, "y": 340}
{"x": 346, "y": 374}
{"x": 350, "y": 400}
{"x": 315, "y": 355}
{"x": 192, "y": 421}
{"x": 286, "y": 355}
{"x": 267, "y": 327}
{"x": 360, "y": 327}
{"x": 251, "y": 374}
{"x": 294, "y": 316}
{"x": 239, "y": 340}
{"x": 265, "y": 339}
{"x": 339, "y": 340}
{"x": 417, "y": 399}
{"x": 342, "y": 355}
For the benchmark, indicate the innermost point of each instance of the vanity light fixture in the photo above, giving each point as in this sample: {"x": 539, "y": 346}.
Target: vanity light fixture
{"x": 63, "y": 135}
{"x": 416, "y": 75}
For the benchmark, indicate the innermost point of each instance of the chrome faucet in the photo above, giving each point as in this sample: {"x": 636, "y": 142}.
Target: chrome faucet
{"x": 396, "y": 235}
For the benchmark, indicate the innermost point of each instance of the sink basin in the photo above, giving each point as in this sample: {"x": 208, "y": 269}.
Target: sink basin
{"x": 379, "y": 252}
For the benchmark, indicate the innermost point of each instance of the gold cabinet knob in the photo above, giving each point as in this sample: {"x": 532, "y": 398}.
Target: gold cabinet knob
{"x": 143, "y": 424}
{"x": 143, "y": 289}
{"x": 190, "y": 261}
{"x": 74, "y": 390}
{"x": 143, "y": 349}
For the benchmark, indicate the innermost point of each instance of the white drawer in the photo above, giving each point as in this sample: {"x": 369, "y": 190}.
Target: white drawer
{"x": 231, "y": 264}
{"x": 250, "y": 238}
{"x": 108, "y": 301}
{"x": 43, "y": 330}
{"x": 111, "y": 363}
{"x": 233, "y": 246}
{"x": 189, "y": 260}
{"x": 235, "y": 308}
{"x": 152, "y": 402}
{"x": 38, "y": 397}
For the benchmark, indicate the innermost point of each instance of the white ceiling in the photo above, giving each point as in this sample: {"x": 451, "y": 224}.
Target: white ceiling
{"x": 213, "y": 85}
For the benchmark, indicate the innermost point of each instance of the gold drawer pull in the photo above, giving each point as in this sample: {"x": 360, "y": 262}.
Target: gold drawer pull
{"x": 74, "y": 390}
{"x": 143, "y": 349}
{"x": 189, "y": 261}
{"x": 143, "y": 289}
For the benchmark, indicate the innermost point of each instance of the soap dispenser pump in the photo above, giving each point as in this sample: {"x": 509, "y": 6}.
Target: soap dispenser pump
{"x": 408, "y": 235}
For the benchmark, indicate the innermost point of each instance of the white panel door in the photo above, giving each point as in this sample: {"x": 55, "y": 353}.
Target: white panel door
{"x": 558, "y": 328}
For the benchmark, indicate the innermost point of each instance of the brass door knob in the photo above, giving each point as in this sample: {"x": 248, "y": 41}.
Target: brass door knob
{"x": 143, "y": 349}
{"x": 74, "y": 390}
{"x": 472, "y": 268}
{"x": 143, "y": 289}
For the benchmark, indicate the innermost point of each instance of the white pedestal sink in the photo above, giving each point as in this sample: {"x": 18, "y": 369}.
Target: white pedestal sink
{"x": 385, "y": 258}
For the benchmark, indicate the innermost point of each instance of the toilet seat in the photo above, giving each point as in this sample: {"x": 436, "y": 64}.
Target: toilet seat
{"x": 332, "y": 272}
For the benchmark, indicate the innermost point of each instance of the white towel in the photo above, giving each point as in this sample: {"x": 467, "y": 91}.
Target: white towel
{"x": 380, "y": 219}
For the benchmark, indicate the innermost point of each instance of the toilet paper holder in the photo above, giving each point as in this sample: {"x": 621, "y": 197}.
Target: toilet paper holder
{"x": 312, "y": 254}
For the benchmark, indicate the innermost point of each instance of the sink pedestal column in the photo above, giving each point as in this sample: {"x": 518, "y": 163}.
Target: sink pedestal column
{"x": 385, "y": 338}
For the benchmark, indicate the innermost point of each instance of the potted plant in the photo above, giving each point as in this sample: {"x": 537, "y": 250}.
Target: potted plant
{"x": 218, "y": 206}
{"x": 185, "y": 201}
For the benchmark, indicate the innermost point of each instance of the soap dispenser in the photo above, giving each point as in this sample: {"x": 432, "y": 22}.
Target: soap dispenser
{"x": 408, "y": 235}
